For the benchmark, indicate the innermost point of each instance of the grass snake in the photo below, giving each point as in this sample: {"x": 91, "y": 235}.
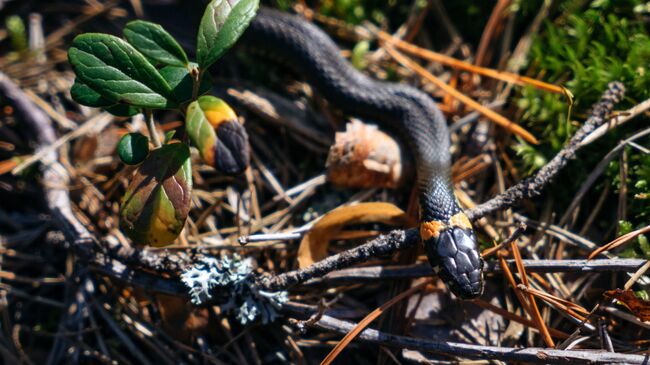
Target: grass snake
{"x": 449, "y": 240}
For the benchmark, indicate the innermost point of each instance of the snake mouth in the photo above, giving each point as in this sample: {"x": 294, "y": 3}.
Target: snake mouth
{"x": 453, "y": 254}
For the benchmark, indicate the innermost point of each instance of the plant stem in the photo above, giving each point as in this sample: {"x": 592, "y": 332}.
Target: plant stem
{"x": 153, "y": 134}
{"x": 197, "y": 74}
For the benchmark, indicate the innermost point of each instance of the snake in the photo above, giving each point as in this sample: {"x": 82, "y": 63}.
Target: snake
{"x": 446, "y": 232}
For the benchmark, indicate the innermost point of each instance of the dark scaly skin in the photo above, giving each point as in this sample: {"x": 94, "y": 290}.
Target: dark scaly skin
{"x": 452, "y": 250}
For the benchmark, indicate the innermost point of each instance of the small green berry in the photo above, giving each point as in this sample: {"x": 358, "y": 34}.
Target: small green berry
{"x": 133, "y": 148}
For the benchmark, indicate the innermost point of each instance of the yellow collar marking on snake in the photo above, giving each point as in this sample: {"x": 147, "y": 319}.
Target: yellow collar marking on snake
{"x": 433, "y": 228}
{"x": 460, "y": 220}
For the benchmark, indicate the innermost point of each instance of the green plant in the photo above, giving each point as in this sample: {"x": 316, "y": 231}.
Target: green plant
{"x": 586, "y": 46}
{"x": 17, "y": 33}
{"x": 146, "y": 71}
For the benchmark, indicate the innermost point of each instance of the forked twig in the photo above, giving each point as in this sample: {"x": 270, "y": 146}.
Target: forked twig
{"x": 533, "y": 186}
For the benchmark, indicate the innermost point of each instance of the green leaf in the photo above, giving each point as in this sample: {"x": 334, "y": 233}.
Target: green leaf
{"x": 169, "y": 135}
{"x": 157, "y": 202}
{"x": 222, "y": 24}
{"x": 133, "y": 148}
{"x": 85, "y": 95}
{"x": 16, "y": 29}
{"x": 122, "y": 110}
{"x": 359, "y": 53}
{"x": 154, "y": 42}
{"x": 181, "y": 82}
{"x": 117, "y": 71}
{"x": 215, "y": 131}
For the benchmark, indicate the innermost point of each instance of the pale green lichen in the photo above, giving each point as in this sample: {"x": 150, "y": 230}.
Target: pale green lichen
{"x": 234, "y": 277}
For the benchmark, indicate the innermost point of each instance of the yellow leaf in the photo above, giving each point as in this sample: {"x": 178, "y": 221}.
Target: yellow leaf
{"x": 315, "y": 243}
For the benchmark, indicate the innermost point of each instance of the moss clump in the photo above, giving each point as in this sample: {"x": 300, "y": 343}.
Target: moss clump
{"x": 587, "y": 46}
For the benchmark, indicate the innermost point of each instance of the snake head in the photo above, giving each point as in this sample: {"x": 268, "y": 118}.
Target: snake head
{"x": 453, "y": 254}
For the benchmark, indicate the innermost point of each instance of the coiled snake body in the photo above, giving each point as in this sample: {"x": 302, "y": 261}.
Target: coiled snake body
{"x": 446, "y": 232}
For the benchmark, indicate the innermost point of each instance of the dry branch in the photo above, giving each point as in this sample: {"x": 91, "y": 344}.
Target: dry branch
{"x": 461, "y": 350}
{"x": 370, "y": 273}
{"x": 533, "y": 186}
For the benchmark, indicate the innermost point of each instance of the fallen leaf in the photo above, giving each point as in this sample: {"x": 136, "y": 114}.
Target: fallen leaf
{"x": 315, "y": 243}
{"x": 639, "y": 307}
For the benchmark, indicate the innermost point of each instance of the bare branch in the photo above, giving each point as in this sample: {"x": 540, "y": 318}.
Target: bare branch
{"x": 533, "y": 186}
{"x": 528, "y": 355}
{"x": 370, "y": 273}
{"x": 382, "y": 245}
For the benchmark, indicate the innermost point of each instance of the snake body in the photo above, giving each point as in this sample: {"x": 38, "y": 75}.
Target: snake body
{"x": 447, "y": 235}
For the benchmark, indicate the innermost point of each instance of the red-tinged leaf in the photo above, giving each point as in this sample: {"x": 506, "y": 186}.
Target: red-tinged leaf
{"x": 215, "y": 131}
{"x": 156, "y": 203}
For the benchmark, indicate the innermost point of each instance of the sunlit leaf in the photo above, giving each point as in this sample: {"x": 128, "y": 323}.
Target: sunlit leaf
{"x": 223, "y": 22}
{"x": 169, "y": 135}
{"x": 118, "y": 72}
{"x": 85, "y": 95}
{"x": 154, "y": 42}
{"x": 156, "y": 203}
{"x": 214, "y": 129}
{"x": 314, "y": 244}
{"x": 359, "y": 53}
{"x": 16, "y": 29}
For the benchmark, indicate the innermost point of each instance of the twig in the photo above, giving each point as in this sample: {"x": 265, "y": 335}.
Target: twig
{"x": 489, "y": 30}
{"x": 508, "y": 354}
{"x": 619, "y": 241}
{"x": 617, "y": 121}
{"x": 513, "y": 237}
{"x": 382, "y": 245}
{"x": 368, "y": 273}
{"x": 598, "y": 170}
{"x": 54, "y": 173}
{"x": 282, "y": 236}
{"x": 488, "y": 113}
{"x": 365, "y": 322}
{"x": 532, "y": 186}
{"x": 151, "y": 126}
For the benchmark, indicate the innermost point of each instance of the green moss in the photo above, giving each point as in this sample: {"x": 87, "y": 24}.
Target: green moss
{"x": 376, "y": 11}
{"x": 586, "y": 46}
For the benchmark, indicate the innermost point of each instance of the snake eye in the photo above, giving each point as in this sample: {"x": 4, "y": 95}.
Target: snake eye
{"x": 454, "y": 252}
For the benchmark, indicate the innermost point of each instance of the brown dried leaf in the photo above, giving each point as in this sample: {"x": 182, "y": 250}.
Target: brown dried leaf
{"x": 315, "y": 243}
{"x": 639, "y": 307}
